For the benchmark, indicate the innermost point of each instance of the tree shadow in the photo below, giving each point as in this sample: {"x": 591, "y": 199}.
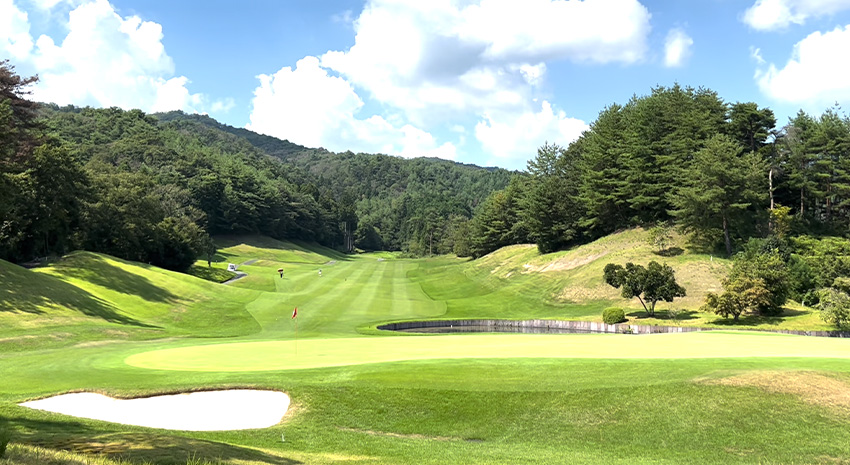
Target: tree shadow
{"x": 755, "y": 320}
{"x": 683, "y": 315}
{"x": 131, "y": 447}
{"x": 96, "y": 270}
{"x": 670, "y": 252}
{"x": 24, "y": 291}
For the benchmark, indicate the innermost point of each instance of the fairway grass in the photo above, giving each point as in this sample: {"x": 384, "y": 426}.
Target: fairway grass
{"x": 92, "y": 323}
{"x": 317, "y": 353}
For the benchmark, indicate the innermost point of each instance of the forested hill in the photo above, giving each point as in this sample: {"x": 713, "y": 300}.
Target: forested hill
{"x": 419, "y": 205}
{"x": 279, "y": 148}
{"x": 154, "y": 189}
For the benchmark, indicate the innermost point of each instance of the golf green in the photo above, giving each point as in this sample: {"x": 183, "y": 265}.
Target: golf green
{"x": 315, "y": 353}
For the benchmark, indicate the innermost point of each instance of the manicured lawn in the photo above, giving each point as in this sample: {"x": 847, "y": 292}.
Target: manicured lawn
{"x": 93, "y": 323}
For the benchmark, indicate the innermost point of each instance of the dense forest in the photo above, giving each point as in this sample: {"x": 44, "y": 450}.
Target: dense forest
{"x": 154, "y": 188}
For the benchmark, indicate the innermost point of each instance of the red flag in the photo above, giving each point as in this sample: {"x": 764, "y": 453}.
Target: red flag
{"x": 295, "y": 312}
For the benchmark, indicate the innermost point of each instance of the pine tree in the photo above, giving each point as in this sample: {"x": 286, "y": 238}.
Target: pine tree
{"x": 721, "y": 186}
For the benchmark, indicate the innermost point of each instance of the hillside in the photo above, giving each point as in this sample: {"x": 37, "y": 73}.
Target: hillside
{"x": 580, "y": 269}
{"x": 519, "y": 282}
{"x": 86, "y": 296}
{"x": 399, "y": 200}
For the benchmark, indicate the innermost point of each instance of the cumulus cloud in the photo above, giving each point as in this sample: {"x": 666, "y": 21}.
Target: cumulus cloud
{"x": 445, "y": 64}
{"x": 436, "y": 58}
{"x": 766, "y": 15}
{"x": 512, "y": 139}
{"x": 813, "y": 75}
{"x": 677, "y": 48}
{"x": 310, "y": 107}
{"x": 15, "y": 38}
{"x": 104, "y": 60}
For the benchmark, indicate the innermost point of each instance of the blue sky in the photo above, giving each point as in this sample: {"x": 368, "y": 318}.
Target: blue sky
{"x": 476, "y": 81}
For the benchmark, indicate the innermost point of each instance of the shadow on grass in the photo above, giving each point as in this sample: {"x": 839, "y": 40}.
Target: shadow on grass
{"x": 132, "y": 447}
{"x": 24, "y": 291}
{"x": 671, "y": 252}
{"x": 96, "y": 270}
{"x": 756, "y": 320}
{"x": 683, "y": 315}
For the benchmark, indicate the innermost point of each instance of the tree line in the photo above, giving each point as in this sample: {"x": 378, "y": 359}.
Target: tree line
{"x": 722, "y": 173}
{"x": 154, "y": 188}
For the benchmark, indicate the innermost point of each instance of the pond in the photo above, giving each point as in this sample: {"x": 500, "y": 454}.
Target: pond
{"x": 494, "y": 329}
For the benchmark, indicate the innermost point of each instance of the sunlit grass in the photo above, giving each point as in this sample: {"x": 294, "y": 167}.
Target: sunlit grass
{"x": 94, "y": 323}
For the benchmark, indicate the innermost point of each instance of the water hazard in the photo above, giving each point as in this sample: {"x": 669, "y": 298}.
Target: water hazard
{"x": 494, "y": 329}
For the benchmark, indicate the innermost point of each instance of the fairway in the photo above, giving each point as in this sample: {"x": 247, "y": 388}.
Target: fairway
{"x": 318, "y": 353}
{"x": 361, "y": 395}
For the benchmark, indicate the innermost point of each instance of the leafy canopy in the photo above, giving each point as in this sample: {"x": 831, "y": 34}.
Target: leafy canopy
{"x": 651, "y": 284}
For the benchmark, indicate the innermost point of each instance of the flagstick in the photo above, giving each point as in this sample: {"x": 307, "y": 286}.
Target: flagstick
{"x": 296, "y": 335}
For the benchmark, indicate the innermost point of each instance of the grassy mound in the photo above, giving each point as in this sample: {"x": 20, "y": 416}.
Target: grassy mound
{"x": 519, "y": 282}
{"x": 238, "y": 249}
{"x": 86, "y": 296}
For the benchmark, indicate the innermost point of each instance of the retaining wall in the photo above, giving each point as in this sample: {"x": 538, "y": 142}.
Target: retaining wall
{"x": 585, "y": 326}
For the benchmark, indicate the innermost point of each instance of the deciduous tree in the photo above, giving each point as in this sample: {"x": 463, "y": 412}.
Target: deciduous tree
{"x": 651, "y": 284}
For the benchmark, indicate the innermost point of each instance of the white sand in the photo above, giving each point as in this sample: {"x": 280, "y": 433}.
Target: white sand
{"x": 196, "y": 411}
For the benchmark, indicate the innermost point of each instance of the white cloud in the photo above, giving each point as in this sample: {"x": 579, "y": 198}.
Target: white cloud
{"x": 50, "y": 4}
{"x": 766, "y": 15}
{"x": 308, "y": 106}
{"x": 448, "y": 61}
{"x": 15, "y": 39}
{"x": 513, "y": 139}
{"x": 433, "y": 59}
{"x": 815, "y": 75}
{"x": 755, "y": 53}
{"x": 677, "y": 48}
{"x": 104, "y": 60}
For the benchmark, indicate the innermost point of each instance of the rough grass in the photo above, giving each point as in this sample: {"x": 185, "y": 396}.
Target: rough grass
{"x": 815, "y": 388}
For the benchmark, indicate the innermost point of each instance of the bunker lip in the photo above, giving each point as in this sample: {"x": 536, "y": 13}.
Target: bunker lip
{"x": 223, "y": 410}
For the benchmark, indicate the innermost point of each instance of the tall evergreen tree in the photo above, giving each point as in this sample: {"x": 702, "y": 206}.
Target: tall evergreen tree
{"x": 750, "y": 125}
{"x": 721, "y": 186}
{"x": 550, "y": 206}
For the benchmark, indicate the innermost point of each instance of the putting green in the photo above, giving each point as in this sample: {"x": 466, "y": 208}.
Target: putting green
{"x": 315, "y": 353}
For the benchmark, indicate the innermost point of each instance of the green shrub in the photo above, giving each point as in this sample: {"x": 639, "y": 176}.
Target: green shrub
{"x": 613, "y": 315}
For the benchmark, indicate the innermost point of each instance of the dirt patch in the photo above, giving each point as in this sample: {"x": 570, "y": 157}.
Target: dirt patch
{"x": 582, "y": 294}
{"x": 812, "y": 387}
{"x": 97, "y": 343}
{"x": 17, "y": 338}
{"x": 398, "y": 435}
{"x": 564, "y": 263}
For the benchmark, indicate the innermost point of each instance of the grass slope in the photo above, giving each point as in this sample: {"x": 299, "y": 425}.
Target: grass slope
{"x": 86, "y": 296}
{"x": 518, "y": 282}
{"x": 363, "y": 396}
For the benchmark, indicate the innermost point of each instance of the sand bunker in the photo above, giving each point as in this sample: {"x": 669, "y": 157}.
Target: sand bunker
{"x": 196, "y": 411}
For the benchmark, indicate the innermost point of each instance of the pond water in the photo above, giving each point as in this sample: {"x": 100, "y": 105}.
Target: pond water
{"x": 494, "y": 329}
